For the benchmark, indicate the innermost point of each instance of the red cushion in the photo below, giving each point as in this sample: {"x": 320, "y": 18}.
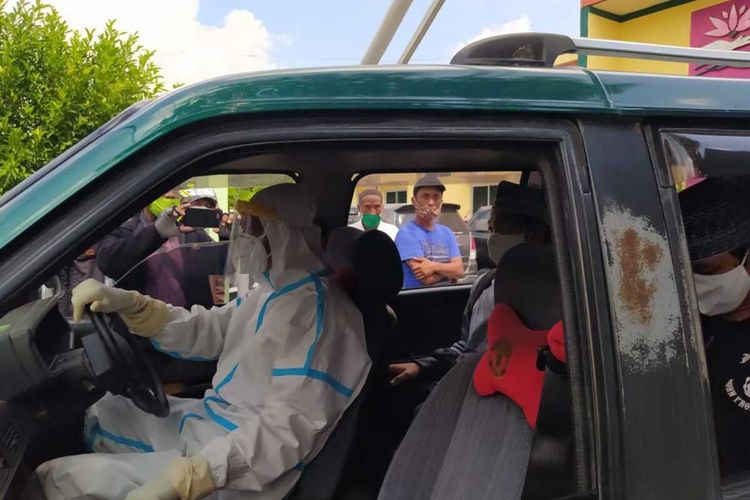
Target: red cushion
{"x": 509, "y": 364}
{"x": 556, "y": 342}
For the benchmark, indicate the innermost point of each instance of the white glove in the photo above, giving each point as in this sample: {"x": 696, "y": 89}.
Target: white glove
{"x": 160, "y": 489}
{"x": 143, "y": 315}
{"x": 166, "y": 223}
{"x": 185, "y": 479}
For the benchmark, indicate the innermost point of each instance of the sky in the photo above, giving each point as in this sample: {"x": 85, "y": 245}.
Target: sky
{"x": 199, "y": 39}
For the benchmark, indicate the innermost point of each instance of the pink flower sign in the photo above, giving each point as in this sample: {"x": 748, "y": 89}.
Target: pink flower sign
{"x": 725, "y": 26}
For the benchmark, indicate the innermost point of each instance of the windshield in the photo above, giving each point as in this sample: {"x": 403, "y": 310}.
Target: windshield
{"x": 482, "y": 214}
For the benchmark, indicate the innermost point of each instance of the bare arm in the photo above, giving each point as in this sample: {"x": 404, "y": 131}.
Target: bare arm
{"x": 427, "y": 268}
{"x": 452, "y": 270}
{"x": 425, "y": 279}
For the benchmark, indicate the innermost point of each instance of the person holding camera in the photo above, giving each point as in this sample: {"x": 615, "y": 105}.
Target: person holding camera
{"x": 144, "y": 255}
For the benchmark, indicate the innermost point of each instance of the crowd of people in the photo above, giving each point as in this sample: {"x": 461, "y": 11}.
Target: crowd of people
{"x": 279, "y": 390}
{"x": 429, "y": 250}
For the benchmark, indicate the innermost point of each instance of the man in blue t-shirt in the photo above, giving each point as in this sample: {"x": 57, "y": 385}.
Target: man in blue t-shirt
{"x": 429, "y": 251}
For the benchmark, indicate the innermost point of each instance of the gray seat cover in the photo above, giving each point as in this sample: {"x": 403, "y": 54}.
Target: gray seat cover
{"x": 461, "y": 445}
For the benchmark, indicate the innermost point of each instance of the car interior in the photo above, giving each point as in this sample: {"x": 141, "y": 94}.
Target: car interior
{"x": 51, "y": 370}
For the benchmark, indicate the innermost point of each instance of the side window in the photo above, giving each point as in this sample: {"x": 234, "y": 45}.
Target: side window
{"x": 710, "y": 174}
{"x": 184, "y": 267}
{"x": 443, "y": 236}
{"x": 514, "y": 274}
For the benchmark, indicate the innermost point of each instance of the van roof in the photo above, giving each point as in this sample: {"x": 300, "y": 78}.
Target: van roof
{"x": 571, "y": 90}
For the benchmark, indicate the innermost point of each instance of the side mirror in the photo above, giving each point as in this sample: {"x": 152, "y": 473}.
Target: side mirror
{"x": 481, "y": 225}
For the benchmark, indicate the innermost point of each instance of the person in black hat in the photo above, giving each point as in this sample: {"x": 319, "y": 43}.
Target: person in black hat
{"x": 429, "y": 251}
{"x": 717, "y": 227}
{"x": 519, "y": 215}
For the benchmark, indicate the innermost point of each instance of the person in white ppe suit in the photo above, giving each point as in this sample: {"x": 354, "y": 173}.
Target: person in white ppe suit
{"x": 291, "y": 358}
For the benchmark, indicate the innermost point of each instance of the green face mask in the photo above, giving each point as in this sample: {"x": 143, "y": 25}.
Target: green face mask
{"x": 161, "y": 204}
{"x": 370, "y": 221}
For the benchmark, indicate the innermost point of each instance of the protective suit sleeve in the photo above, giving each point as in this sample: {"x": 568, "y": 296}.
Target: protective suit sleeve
{"x": 300, "y": 406}
{"x": 197, "y": 334}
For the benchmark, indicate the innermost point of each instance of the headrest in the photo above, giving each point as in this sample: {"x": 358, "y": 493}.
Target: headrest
{"x": 367, "y": 263}
{"x": 377, "y": 267}
{"x": 526, "y": 280}
{"x": 339, "y": 248}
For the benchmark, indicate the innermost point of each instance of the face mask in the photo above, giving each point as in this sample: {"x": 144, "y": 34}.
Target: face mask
{"x": 426, "y": 213}
{"x": 498, "y": 244}
{"x": 722, "y": 293}
{"x": 249, "y": 257}
{"x": 161, "y": 204}
{"x": 370, "y": 221}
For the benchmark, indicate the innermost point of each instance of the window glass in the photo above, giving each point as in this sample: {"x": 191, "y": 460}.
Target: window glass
{"x": 178, "y": 271}
{"x": 710, "y": 174}
{"x": 395, "y": 197}
{"x": 483, "y": 196}
{"x": 452, "y": 240}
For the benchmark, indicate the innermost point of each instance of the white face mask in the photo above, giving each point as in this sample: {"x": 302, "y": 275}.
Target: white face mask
{"x": 498, "y": 244}
{"x": 722, "y": 293}
{"x": 250, "y": 257}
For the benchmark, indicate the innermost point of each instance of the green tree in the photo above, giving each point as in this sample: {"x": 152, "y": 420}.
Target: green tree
{"x": 57, "y": 85}
{"x": 243, "y": 193}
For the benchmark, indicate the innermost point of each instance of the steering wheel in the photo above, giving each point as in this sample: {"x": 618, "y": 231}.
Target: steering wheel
{"x": 142, "y": 384}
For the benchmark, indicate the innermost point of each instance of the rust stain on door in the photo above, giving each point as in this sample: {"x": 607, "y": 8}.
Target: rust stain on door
{"x": 638, "y": 260}
{"x": 643, "y": 290}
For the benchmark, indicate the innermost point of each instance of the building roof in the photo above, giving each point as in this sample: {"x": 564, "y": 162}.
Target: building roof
{"x": 630, "y": 9}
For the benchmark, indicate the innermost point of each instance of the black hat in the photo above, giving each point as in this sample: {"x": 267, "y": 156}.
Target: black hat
{"x": 715, "y": 217}
{"x": 429, "y": 180}
{"x": 518, "y": 199}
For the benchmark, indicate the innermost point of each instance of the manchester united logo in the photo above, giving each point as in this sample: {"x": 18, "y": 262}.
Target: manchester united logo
{"x": 499, "y": 357}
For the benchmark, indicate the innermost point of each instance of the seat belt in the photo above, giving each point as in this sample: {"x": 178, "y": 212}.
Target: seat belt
{"x": 551, "y": 470}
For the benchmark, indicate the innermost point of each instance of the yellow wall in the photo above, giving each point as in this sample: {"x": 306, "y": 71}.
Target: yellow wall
{"x": 669, "y": 27}
{"x": 460, "y": 194}
{"x": 600, "y": 27}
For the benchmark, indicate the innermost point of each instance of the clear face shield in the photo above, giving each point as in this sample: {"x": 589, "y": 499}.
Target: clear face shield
{"x": 249, "y": 252}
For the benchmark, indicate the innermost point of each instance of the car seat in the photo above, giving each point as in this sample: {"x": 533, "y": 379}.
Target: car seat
{"x": 368, "y": 266}
{"x": 462, "y": 445}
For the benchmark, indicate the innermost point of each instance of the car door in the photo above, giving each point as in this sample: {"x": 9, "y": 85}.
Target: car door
{"x": 657, "y": 439}
{"x": 311, "y": 147}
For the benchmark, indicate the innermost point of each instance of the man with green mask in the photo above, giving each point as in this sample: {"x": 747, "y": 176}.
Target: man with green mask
{"x": 370, "y": 207}
{"x": 155, "y": 228}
